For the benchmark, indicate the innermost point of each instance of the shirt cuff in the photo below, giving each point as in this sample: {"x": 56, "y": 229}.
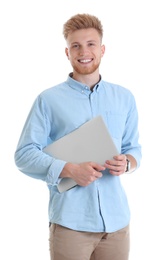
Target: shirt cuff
{"x": 54, "y": 172}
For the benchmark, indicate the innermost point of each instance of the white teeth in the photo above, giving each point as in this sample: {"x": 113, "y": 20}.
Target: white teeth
{"x": 85, "y": 61}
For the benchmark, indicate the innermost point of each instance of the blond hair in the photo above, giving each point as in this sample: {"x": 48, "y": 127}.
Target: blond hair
{"x": 82, "y": 21}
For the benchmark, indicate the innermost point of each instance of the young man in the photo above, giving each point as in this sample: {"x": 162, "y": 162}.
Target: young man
{"x": 91, "y": 220}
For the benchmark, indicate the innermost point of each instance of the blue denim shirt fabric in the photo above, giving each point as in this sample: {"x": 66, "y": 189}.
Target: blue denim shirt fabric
{"x": 102, "y": 206}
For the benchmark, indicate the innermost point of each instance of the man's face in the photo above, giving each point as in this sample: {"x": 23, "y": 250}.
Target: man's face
{"x": 84, "y": 50}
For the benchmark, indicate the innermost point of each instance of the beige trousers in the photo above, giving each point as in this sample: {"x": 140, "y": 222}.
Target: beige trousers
{"x": 67, "y": 244}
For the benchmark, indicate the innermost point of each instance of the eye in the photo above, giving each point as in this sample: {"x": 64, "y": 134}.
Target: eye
{"x": 75, "y": 46}
{"x": 91, "y": 44}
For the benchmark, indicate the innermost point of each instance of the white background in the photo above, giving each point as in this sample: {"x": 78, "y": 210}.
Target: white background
{"x": 32, "y": 59}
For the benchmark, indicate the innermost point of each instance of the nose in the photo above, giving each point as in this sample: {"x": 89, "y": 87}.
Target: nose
{"x": 83, "y": 50}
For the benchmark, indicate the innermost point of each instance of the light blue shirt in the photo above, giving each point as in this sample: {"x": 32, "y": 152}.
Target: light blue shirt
{"x": 102, "y": 206}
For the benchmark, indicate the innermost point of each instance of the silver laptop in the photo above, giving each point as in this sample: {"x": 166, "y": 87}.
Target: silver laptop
{"x": 90, "y": 142}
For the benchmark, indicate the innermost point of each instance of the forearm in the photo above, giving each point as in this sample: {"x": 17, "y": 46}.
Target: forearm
{"x": 36, "y": 164}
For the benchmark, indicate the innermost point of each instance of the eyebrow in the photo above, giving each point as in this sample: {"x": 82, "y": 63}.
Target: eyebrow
{"x": 79, "y": 42}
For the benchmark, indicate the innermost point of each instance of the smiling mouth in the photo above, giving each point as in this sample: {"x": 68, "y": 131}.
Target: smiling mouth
{"x": 85, "y": 61}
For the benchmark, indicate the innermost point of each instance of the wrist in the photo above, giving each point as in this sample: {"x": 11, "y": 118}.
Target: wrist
{"x": 128, "y": 165}
{"x": 132, "y": 164}
{"x": 68, "y": 170}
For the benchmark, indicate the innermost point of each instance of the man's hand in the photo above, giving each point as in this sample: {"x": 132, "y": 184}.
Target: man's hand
{"x": 83, "y": 173}
{"x": 117, "y": 165}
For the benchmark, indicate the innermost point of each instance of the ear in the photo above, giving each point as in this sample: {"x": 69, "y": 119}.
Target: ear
{"x": 102, "y": 50}
{"x": 66, "y": 52}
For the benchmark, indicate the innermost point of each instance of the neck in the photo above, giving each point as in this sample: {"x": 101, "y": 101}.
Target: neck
{"x": 90, "y": 80}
